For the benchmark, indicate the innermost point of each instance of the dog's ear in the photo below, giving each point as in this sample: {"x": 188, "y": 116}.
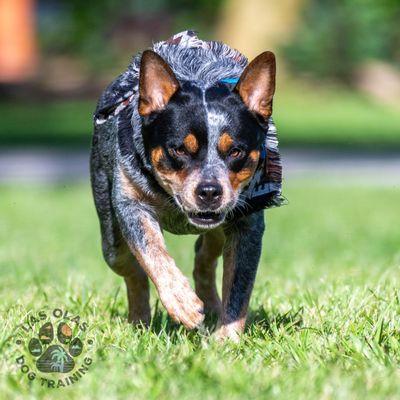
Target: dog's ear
{"x": 256, "y": 86}
{"x": 157, "y": 83}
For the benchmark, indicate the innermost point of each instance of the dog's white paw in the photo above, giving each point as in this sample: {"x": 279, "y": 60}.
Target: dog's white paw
{"x": 230, "y": 331}
{"x": 182, "y": 303}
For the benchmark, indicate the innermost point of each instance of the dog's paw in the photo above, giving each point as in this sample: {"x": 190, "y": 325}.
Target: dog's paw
{"x": 182, "y": 303}
{"x": 230, "y": 331}
{"x": 54, "y": 357}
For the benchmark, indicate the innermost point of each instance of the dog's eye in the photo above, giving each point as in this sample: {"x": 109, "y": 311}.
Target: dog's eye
{"x": 235, "y": 153}
{"x": 179, "y": 151}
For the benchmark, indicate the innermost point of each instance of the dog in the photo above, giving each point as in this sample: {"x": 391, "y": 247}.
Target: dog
{"x": 179, "y": 140}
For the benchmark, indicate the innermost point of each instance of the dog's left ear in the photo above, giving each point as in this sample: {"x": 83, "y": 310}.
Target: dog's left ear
{"x": 256, "y": 86}
{"x": 157, "y": 83}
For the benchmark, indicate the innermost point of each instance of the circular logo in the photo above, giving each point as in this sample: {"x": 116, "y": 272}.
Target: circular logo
{"x": 54, "y": 348}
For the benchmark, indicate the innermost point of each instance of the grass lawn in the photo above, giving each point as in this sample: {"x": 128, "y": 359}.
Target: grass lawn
{"x": 325, "y": 311}
{"x": 304, "y": 115}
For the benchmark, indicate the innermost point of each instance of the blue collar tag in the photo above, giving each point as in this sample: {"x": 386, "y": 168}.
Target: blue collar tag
{"x": 263, "y": 154}
{"x": 230, "y": 81}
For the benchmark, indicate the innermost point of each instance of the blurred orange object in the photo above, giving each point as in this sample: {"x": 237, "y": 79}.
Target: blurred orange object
{"x": 18, "y": 48}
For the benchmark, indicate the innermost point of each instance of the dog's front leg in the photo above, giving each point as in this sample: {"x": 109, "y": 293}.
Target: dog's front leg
{"x": 144, "y": 237}
{"x": 241, "y": 256}
{"x": 148, "y": 246}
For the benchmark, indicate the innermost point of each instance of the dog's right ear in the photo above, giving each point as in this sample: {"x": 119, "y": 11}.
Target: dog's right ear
{"x": 157, "y": 83}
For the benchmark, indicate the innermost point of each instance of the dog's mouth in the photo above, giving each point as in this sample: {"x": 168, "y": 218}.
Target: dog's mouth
{"x": 207, "y": 219}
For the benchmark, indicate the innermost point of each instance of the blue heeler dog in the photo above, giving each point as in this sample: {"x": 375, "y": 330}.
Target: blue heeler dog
{"x": 183, "y": 141}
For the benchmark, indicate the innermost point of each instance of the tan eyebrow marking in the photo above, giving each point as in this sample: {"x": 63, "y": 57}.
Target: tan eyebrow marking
{"x": 225, "y": 142}
{"x": 254, "y": 155}
{"x": 191, "y": 143}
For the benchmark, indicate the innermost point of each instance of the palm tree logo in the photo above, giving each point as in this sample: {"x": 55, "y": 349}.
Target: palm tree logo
{"x": 54, "y": 357}
{"x": 58, "y": 357}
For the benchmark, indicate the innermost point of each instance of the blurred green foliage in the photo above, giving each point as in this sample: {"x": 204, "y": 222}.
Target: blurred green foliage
{"x": 80, "y": 28}
{"x": 337, "y": 35}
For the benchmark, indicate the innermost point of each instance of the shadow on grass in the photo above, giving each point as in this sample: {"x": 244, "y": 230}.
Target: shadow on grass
{"x": 161, "y": 323}
{"x": 290, "y": 321}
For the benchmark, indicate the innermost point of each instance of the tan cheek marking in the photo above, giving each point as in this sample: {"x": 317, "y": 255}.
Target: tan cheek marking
{"x": 175, "y": 179}
{"x": 182, "y": 175}
{"x": 166, "y": 174}
{"x": 225, "y": 142}
{"x": 171, "y": 180}
{"x": 191, "y": 143}
{"x": 238, "y": 178}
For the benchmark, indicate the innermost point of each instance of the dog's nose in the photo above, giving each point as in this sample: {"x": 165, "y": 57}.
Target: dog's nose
{"x": 209, "y": 194}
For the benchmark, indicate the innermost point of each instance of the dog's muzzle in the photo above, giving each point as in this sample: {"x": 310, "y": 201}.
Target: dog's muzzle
{"x": 209, "y": 195}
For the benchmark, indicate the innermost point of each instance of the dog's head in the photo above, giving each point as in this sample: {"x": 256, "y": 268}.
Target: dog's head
{"x": 204, "y": 146}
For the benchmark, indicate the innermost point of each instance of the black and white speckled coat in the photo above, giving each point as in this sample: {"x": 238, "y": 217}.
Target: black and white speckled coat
{"x": 132, "y": 223}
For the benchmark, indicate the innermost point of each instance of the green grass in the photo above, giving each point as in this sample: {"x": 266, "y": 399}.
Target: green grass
{"x": 305, "y": 115}
{"x": 325, "y": 314}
